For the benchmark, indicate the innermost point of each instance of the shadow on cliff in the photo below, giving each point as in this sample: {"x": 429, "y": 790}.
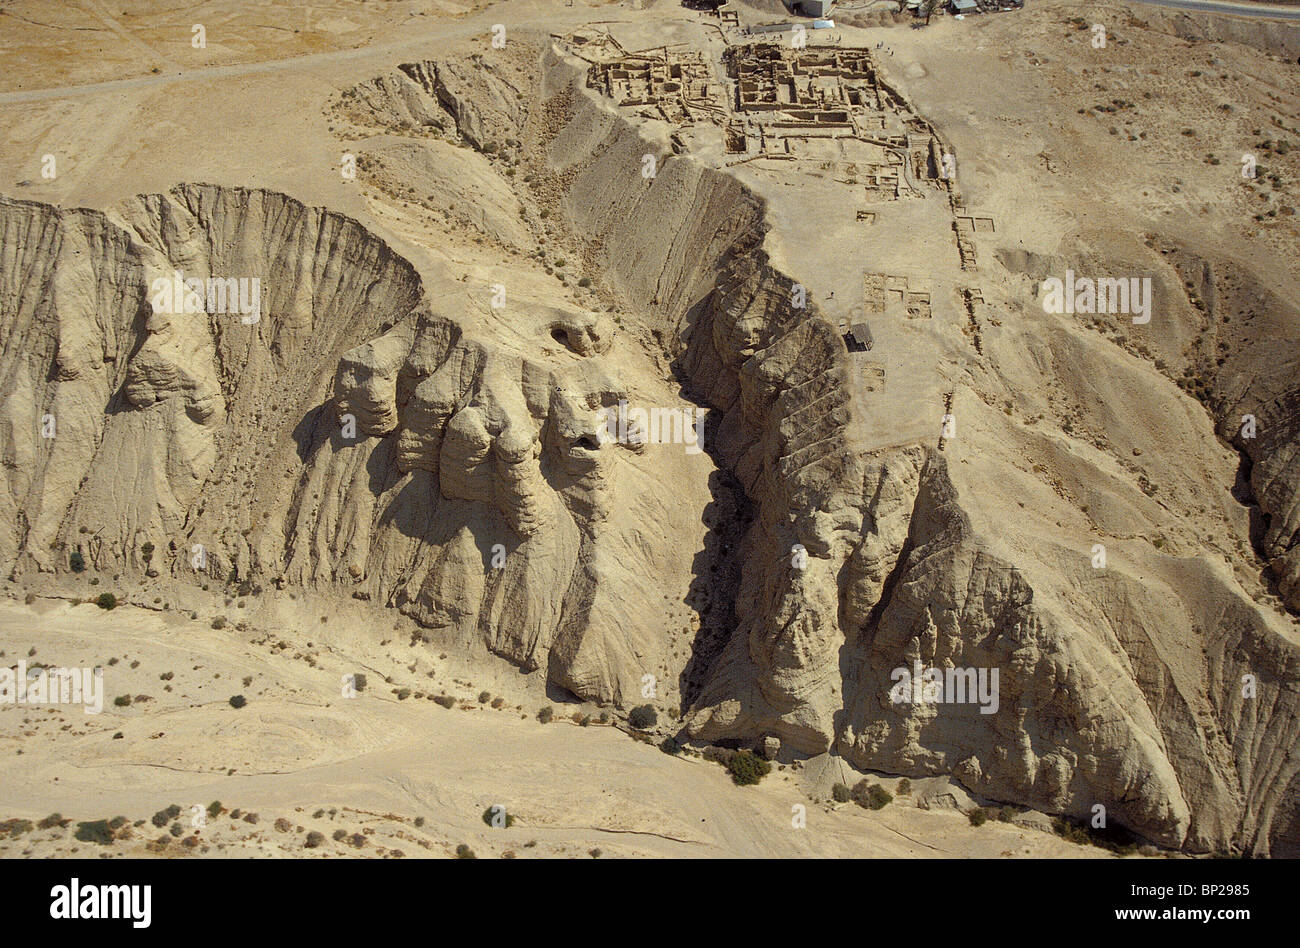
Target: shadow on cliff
{"x": 716, "y": 571}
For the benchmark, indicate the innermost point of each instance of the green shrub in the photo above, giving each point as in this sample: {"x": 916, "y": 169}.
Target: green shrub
{"x": 464, "y": 852}
{"x": 670, "y": 746}
{"x": 77, "y": 562}
{"x": 718, "y": 755}
{"x": 214, "y": 809}
{"x": 496, "y": 812}
{"x": 106, "y": 601}
{"x": 546, "y": 714}
{"x": 977, "y": 816}
{"x": 871, "y": 796}
{"x": 484, "y": 697}
{"x": 747, "y": 768}
{"x": 840, "y": 793}
{"x": 15, "y": 827}
{"x": 904, "y": 787}
{"x": 238, "y": 701}
{"x": 642, "y": 717}
{"x": 314, "y": 839}
{"x": 122, "y": 701}
{"x": 447, "y": 701}
{"x": 95, "y": 831}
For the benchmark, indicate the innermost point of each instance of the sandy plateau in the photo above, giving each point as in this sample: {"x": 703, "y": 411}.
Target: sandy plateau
{"x": 477, "y": 231}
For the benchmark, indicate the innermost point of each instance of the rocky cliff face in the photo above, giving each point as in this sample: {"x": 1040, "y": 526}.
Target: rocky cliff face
{"x": 1103, "y": 699}
{"x": 368, "y": 438}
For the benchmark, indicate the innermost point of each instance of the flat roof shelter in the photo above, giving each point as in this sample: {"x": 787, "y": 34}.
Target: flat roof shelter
{"x": 858, "y": 338}
{"x": 964, "y": 6}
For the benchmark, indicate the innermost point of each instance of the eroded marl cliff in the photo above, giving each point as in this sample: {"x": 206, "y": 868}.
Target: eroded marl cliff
{"x": 1101, "y": 703}
{"x": 177, "y": 431}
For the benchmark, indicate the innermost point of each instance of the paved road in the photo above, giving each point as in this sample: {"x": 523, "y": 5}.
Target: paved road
{"x": 1257, "y": 10}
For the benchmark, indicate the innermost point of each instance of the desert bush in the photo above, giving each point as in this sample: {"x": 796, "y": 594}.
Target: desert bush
{"x": 840, "y": 793}
{"x": 484, "y": 697}
{"x": 314, "y": 839}
{"x": 464, "y": 852}
{"x": 214, "y": 809}
{"x": 447, "y": 701}
{"x": 904, "y": 787}
{"x": 978, "y": 816}
{"x": 546, "y": 714}
{"x": 51, "y": 821}
{"x": 878, "y": 797}
{"x": 15, "y": 827}
{"x": 642, "y": 717}
{"x": 238, "y": 701}
{"x": 498, "y": 812}
{"x": 748, "y": 768}
{"x": 163, "y": 817}
{"x": 95, "y": 831}
{"x": 871, "y": 796}
{"x": 718, "y": 755}
{"x": 219, "y": 622}
{"x": 106, "y": 601}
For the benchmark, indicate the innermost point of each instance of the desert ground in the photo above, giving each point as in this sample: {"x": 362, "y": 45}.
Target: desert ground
{"x": 375, "y": 764}
{"x": 394, "y": 174}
